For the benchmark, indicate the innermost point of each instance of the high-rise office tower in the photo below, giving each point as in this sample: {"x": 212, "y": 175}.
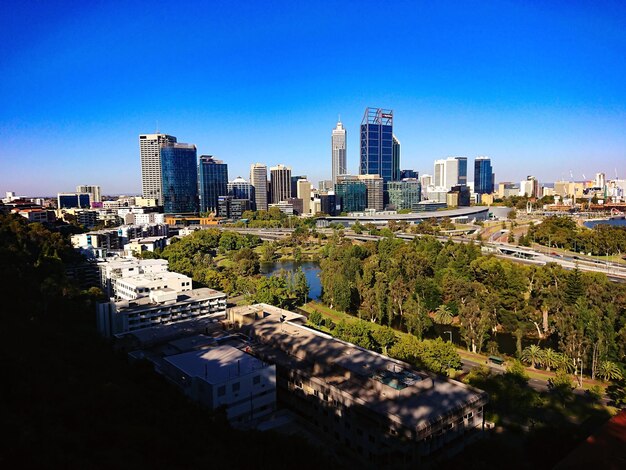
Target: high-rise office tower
{"x": 404, "y": 194}
{"x": 599, "y": 182}
{"x": 377, "y": 143}
{"x": 462, "y": 170}
{"x": 150, "y": 154}
{"x": 304, "y": 192}
{"x": 258, "y": 179}
{"x": 483, "y": 176}
{"x": 241, "y": 189}
{"x": 212, "y": 181}
{"x": 350, "y": 194}
{"x": 338, "y": 145}
{"x": 92, "y": 190}
{"x": 396, "y": 159}
{"x": 280, "y": 183}
{"x": 375, "y": 191}
{"x": 450, "y": 172}
{"x": 179, "y": 177}
{"x": 294, "y": 184}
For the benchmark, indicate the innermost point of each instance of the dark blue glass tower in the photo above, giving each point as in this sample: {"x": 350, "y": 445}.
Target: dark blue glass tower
{"x": 377, "y": 144}
{"x": 483, "y": 176}
{"x": 213, "y": 182}
{"x": 179, "y": 178}
{"x": 462, "y": 170}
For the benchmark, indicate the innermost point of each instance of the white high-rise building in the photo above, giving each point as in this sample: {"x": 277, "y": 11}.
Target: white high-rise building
{"x": 92, "y": 190}
{"x": 338, "y": 141}
{"x": 600, "y": 181}
{"x": 448, "y": 172}
{"x": 150, "y": 153}
{"x": 258, "y": 179}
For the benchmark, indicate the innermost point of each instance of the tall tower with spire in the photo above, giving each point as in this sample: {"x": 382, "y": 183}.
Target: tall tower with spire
{"x": 338, "y": 144}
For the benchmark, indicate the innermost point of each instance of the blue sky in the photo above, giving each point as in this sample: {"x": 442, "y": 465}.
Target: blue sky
{"x": 538, "y": 86}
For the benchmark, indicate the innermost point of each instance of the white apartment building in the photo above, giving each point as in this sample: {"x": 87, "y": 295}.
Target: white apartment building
{"x": 119, "y": 268}
{"x": 161, "y": 307}
{"x": 136, "y": 246}
{"x": 225, "y": 376}
{"x": 134, "y": 287}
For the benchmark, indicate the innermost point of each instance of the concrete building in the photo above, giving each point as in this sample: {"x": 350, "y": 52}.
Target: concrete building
{"x": 136, "y": 246}
{"x": 73, "y": 201}
{"x": 128, "y": 232}
{"x": 150, "y": 155}
{"x": 141, "y": 285}
{"x": 530, "y": 187}
{"x": 326, "y": 185}
{"x": 225, "y": 376}
{"x": 231, "y": 208}
{"x": 91, "y": 189}
{"x": 507, "y": 189}
{"x": 239, "y": 188}
{"x": 382, "y": 410}
{"x": 107, "y": 239}
{"x": 258, "y": 179}
{"x": 35, "y": 215}
{"x": 280, "y": 183}
{"x": 304, "y": 192}
{"x": 450, "y": 172}
{"x": 338, "y": 152}
{"x": 374, "y": 185}
{"x": 161, "y": 307}
{"x": 458, "y": 196}
{"x": 113, "y": 270}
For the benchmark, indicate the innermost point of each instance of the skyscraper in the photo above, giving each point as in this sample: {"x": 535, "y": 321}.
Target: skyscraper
{"x": 294, "y": 183}
{"x": 351, "y": 194}
{"x": 396, "y": 159}
{"x": 150, "y": 154}
{"x": 304, "y": 192}
{"x": 258, "y": 179}
{"x": 179, "y": 177}
{"x": 377, "y": 143}
{"x": 212, "y": 181}
{"x": 338, "y": 146}
{"x": 483, "y": 176}
{"x": 280, "y": 183}
{"x": 375, "y": 191}
{"x": 450, "y": 172}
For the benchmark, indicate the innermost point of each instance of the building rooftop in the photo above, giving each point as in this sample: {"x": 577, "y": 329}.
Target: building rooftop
{"x": 150, "y": 280}
{"x": 392, "y": 388}
{"x": 216, "y": 365}
{"x": 143, "y": 303}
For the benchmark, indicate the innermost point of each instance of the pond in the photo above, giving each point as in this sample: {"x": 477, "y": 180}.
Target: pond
{"x": 311, "y": 272}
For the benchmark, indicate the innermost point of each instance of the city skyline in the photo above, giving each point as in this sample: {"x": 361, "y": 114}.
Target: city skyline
{"x": 467, "y": 83}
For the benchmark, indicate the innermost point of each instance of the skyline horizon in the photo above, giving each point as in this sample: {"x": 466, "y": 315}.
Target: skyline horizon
{"x": 537, "y": 88}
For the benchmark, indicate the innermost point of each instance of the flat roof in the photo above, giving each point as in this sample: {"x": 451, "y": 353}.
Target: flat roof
{"x": 392, "y": 388}
{"x": 152, "y": 279}
{"x": 216, "y": 365}
{"x": 203, "y": 293}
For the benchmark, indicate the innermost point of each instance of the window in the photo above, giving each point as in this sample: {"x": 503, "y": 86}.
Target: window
{"x": 256, "y": 380}
{"x": 236, "y": 387}
{"x": 221, "y": 391}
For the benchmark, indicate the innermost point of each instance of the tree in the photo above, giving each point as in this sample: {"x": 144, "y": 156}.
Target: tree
{"x": 385, "y": 337}
{"x": 443, "y": 315}
{"x": 550, "y": 359}
{"x": 608, "y": 370}
{"x": 516, "y": 368}
{"x": 416, "y": 317}
{"x": 316, "y": 318}
{"x": 301, "y": 286}
{"x": 475, "y": 323}
{"x": 533, "y": 355}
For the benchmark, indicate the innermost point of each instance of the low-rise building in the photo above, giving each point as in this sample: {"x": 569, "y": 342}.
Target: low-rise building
{"x": 161, "y": 307}
{"x": 383, "y": 410}
{"x": 119, "y": 268}
{"x": 134, "y": 287}
{"x": 136, "y": 246}
{"x": 225, "y": 376}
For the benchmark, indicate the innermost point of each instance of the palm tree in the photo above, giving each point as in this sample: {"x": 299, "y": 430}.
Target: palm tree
{"x": 550, "y": 359}
{"x": 533, "y": 355}
{"x": 443, "y": 315}
{"x": 609, "y": 371}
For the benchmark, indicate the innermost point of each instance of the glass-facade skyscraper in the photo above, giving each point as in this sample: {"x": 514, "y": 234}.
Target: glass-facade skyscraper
{"x": 462, "y": 179}
{"x": 212, "y": 181}
{"x": 483, "y": 176}
{"x": 396, "y": 160}
{"x": 179, "y": 176}
{"x": 377, "y": 143}
{"x": 241, "y": 189}
{"x": 351, "y": 194}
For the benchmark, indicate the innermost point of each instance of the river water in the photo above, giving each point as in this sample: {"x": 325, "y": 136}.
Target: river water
{"x": 614, "y": 222}
{"x": 311, "y": 272}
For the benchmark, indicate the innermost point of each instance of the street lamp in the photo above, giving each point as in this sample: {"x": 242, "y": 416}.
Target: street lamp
{"x": 450, "y": 333}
